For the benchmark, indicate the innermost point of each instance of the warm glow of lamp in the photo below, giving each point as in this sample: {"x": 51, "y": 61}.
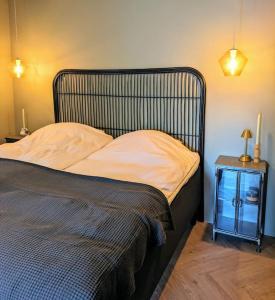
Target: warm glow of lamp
{"x": 233, "y": 62}
{"x": 18, "y": 68}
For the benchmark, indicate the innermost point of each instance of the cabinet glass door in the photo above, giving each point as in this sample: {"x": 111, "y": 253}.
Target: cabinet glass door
{"x": 250, "y": 195}
{"x": 226, "y": 200}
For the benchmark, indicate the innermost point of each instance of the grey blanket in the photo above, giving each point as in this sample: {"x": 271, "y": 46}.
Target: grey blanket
{"x": 65, "y": 236}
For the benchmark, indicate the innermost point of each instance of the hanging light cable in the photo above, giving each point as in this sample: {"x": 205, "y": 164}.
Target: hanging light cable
{"x": 234, "y": 61}
{"x": 18, "y": 68}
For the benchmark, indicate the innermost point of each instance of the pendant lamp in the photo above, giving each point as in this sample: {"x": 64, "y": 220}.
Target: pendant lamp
{"x": 233, "y": 61}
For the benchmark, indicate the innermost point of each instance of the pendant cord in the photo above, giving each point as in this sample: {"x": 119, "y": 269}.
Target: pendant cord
{"x": 240, "y": 2}
{"x": 234, "y": 38}
{"x": 241, "y": 19}
{"x": 234, "y": 32}
{"x": 15, "y": 25}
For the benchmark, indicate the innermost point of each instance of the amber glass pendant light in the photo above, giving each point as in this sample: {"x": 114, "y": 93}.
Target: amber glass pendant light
{"x": 234, "y": 61}
{"x": 18, "y": 68}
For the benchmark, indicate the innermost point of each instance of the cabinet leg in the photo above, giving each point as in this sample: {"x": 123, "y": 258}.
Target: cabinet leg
{"x": 259, "y": 247}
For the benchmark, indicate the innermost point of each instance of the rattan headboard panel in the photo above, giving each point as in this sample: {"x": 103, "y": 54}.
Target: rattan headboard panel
{"x": 119, "y": 101}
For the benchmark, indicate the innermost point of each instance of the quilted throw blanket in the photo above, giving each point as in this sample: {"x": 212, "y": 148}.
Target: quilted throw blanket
{"x": 66, "y": 236}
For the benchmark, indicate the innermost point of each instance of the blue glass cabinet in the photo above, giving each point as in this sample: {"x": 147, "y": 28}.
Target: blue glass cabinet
{"x": 240, "y": 199}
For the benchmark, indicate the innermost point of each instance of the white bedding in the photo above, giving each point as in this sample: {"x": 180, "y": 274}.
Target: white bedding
{"x": 57, "y": 146}
{"x": 145, "y": 156}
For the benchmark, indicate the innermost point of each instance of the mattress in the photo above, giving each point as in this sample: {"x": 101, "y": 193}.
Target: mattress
{"x": 184, "y": 209}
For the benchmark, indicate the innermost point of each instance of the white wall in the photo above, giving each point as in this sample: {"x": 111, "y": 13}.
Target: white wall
{"x": 6, "y": 96}
{"x": 57, "y": 34}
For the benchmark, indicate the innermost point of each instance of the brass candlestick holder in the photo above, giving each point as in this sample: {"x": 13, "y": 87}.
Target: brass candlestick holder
{"x": 257, "y": 153}
{"x": 24, "y": 132}
{"x": 246, "y": 135}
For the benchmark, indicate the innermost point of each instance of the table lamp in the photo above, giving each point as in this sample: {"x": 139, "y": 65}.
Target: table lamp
{"x": 246, "y": 135}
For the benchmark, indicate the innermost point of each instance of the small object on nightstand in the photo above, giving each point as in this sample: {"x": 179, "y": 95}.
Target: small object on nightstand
{"x": 24, "y": 130}
{"x": 13, "y": 139}
{"x": 257, "y": 147}
{"x": 239, "y": 207}
{"x": 257, "y": 153}
{"x": 246, "y": 135}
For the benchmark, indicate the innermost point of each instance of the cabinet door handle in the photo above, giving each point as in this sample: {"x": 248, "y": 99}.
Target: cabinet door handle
{"x": 241, "y": 202}
{"x": 234, "y": 202}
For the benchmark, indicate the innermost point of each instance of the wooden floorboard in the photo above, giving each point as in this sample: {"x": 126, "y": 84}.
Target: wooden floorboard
{"x": 229, "y": 268}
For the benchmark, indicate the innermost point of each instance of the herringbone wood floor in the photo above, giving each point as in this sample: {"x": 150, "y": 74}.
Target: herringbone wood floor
{"x": 226, "y": 269}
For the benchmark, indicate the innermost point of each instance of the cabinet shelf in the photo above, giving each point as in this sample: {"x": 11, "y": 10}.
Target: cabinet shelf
{"x": 251, "y": 202}
{"x": 226, "y": 223}
{"x": 248, "y": 228}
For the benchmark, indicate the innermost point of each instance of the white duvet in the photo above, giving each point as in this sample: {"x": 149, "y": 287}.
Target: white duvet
{"x": 57, "y": 146}
{"x": 145, "y": 156}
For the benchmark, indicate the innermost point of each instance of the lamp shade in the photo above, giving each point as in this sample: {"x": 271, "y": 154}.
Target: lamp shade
{"x": 246, "y": 134}
{"x": 233, "y": 62}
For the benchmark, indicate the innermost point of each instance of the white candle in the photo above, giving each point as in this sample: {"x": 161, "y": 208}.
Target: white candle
{"x": 259, "y": 125}
{"x": 23, "y": 118}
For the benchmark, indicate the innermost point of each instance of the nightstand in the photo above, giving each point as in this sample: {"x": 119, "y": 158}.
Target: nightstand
{"x": 13, "y": 139}
{"x": 239, "y": 208}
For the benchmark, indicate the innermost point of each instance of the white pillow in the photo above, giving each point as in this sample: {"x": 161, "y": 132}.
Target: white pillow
{"x": 57, "y": 145}
{"x": 146, "y": 156}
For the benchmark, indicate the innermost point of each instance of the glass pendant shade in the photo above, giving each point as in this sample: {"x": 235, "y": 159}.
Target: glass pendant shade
{"x": 233, "y": 62}
{"x": 18, "y": 68}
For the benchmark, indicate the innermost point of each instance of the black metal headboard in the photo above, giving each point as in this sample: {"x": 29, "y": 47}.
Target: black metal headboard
{"x": 171, "y": 100}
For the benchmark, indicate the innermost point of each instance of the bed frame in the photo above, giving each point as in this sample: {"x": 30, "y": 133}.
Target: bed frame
{"x": 171, "y": 100}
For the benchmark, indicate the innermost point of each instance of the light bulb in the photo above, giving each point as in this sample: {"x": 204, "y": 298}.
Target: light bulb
{"x": 233, "y": 62}
{"x": 18, "y": 68}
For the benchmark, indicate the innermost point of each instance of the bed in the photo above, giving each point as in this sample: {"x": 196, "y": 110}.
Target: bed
{"x": 171, "y": 100}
